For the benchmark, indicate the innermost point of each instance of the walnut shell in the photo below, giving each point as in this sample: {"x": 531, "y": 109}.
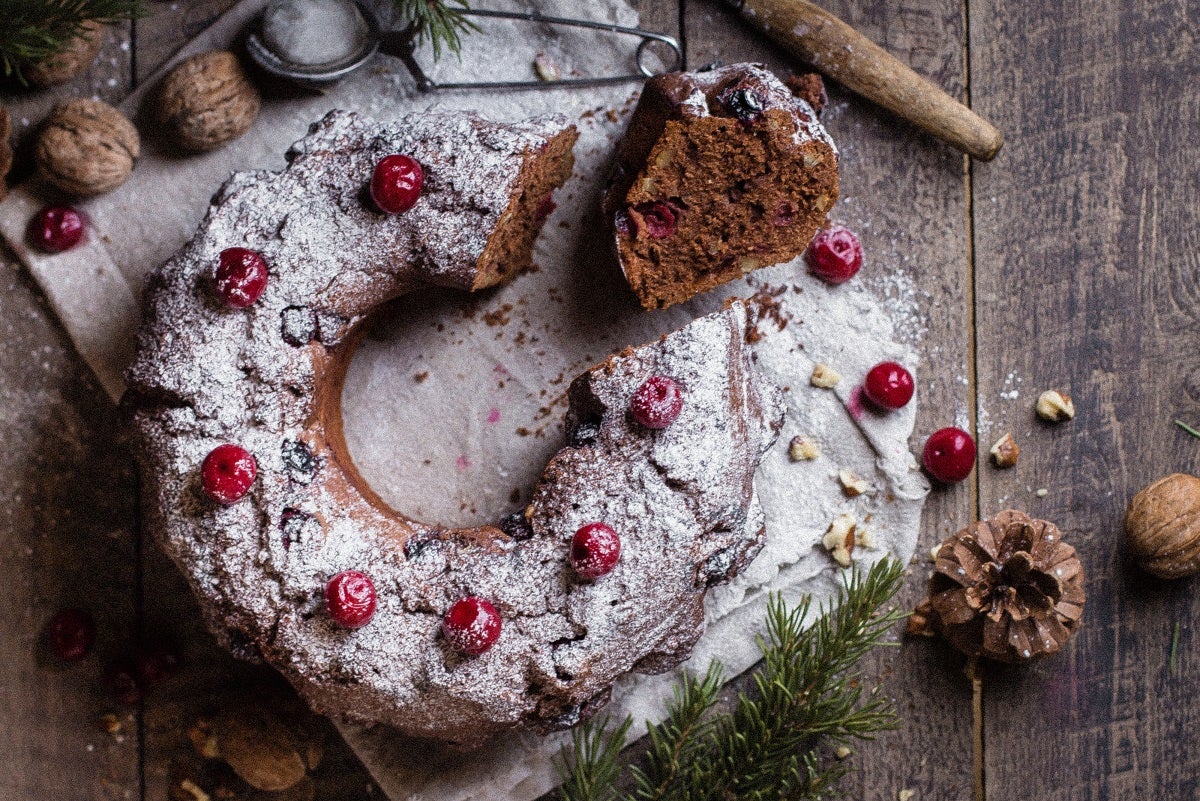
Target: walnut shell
{"x": 206, "y": 101}
{"x": 74, "y": 58}
{"x": 86, "y": 147}
{"x": 1162, "y": 527}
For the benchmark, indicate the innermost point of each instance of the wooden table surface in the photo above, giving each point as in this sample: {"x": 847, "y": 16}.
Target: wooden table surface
{"x": 1071, "y": 261}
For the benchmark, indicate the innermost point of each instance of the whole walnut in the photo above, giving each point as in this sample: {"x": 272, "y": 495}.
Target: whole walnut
{"x": 206, "y": 101}
{"x": 74, "y": 58}
{"x": 1162, "y": 527}
{"x": 86, "y": 147}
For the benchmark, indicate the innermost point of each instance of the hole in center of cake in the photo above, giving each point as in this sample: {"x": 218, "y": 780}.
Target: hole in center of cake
{"x": 446, "y": 408}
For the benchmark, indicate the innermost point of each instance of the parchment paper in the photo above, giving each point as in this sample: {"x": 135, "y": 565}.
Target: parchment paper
{"x": 454, "y": 404}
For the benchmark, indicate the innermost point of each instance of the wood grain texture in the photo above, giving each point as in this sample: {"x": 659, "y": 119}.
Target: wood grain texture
{"x": 905, "y": 194}
{"x": 67, "y": 539}
{"x": 1087, "y": 235}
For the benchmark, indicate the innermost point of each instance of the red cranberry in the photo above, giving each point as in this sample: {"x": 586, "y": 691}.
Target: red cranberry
{"x": 57, "y": 228}
{"x": 227, "y": 473}
{"x": 949, "y": 455}
{"x": 659, "y": 218}
{"x": 889, "y": 385}
{"x": 350, "y": 598}
{"x": 657, "y": 402}
{"x": 472, "y": 625}
{"x": 120, "y": 679}
{"x": 155, "y": 665}
{"x": 595, "y": 550}
{"x": 396, "y": 183}
{"x": 70, "y": 634}
{"x": 545, "y": 208}
{"x": 835, "y": 254}
{"x": 241, "y": 276}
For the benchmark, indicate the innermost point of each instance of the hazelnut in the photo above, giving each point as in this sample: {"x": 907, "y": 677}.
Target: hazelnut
{"x": 852, "y": 485}
{"x": 206, "y": 101}
{"x": 1055, "y": 406}
{"x": 803, "y": 449}
{"x": 1162, "y": 527}
{"x": 824, "y": 376}
{"x": 75, "y": 57}
{"x": 839, "y": 539}
{"x": 1005, "y": 452}
{"x": 86, "y": 147}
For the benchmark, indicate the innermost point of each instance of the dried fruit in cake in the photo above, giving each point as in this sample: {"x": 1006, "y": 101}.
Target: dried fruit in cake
{"x": 720, "y": 173}
{"x": 681, "y": 497}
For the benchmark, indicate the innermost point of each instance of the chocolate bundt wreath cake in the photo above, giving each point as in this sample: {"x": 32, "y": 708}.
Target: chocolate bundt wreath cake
{"x": 447, "y": 634}
{"x": 721, "y": 172}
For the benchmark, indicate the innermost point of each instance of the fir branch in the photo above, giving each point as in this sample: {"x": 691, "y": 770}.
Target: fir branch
{"x": 442, "y": 21}
{"x": 35, "y": 30}
{"x": 807, "y": 693}
{"x": 591, "y": 768}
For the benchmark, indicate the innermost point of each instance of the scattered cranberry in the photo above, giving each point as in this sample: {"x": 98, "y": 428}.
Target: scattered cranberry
{"x": 745, "y": 104}
{"x": 595, "y": 550}
{"x": 949, "y": 455}
{"x": 227, "y": 473}
{"x": 889, "y": 385}
{"x": 70, "y": 634}
{"x": 154, "y": 665}
{"x": 660, "y": 219}
{"x": 241, "y": 276}
{"x": 120, "y": 679}
{"x": 396, "y": 183}
{"x": 472, "y": 625}
{"x": 835, "y": 254}
{"x": 350, "y": 598}
{"x": 657, "y": 402}
{"x": 57, "y": 228}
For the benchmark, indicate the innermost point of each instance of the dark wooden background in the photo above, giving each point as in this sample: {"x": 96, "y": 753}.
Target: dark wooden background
{"x": 1071, "y": 261}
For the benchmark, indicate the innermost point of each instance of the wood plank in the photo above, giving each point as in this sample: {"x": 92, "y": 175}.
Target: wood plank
{"x": 168, "y": 28}
{"x": 1086, "y": 262}
{"x": 905, "y": 195}
{"x": 66, "y": 506}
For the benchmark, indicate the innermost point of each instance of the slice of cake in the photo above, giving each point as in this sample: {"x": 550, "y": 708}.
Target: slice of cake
{"x": 720, "y": 173}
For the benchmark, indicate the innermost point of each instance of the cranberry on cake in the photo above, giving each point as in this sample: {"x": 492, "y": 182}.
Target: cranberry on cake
{"x": 721, "y": 172}
{"x": 447, "y": 634}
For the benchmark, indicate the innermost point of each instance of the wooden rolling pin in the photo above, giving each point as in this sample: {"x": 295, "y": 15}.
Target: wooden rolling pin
{"x": 833, "y": 47}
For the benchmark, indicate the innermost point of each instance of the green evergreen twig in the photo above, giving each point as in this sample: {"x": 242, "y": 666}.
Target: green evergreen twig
{"x": 34, "y": 30}
{"x": 807, "y": 694}
{"x": 441, "y": 21}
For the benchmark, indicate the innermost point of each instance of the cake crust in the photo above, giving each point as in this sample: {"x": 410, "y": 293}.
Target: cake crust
{"x": 269, "y": 378}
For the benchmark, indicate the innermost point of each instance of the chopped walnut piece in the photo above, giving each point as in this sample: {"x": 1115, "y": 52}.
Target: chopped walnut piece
{"x": 803, "y": 449}
{"x": 1005, "y": 452}
{"x": 1055, "y": 406}
{"x": 839, "y": 540}
{"x": 191, "y": 790}
{"x": 824, "y": 376}
{"x": 852, "y": 485}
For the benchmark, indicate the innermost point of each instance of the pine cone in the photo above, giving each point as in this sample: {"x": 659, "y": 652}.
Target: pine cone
{"x": 1007, "y": 588}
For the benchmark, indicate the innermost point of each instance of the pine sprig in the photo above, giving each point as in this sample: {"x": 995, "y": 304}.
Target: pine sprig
{"x": 442, "y": 21}
{"x": 35, "y": 30}
{"x": 807, "y": 693}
